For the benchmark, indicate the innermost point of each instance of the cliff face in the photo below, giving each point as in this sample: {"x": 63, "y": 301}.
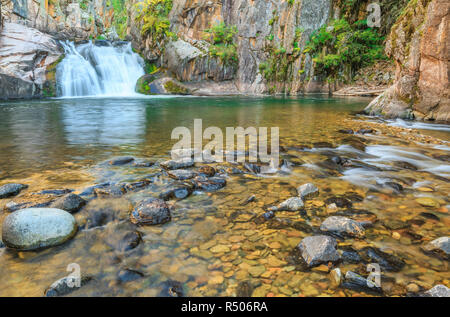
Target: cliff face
{"x": 63, "y": 19}
{"x": 420, "y": 45}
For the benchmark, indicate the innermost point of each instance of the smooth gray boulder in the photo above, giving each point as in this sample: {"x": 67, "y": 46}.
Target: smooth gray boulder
{"x": 181, "y": 174}
{"x": 151, "y": 211}
{"x": 316, "y": 250}
{"x": 343, "y": 226}
{"x": 307, "y": 191}
{"x": 291, "y": 204}
{"x": 438, "y": 291}
{"x": 36, "y": 228}
{"x": 9, "y": 190}
{"x": 70, "y": 202}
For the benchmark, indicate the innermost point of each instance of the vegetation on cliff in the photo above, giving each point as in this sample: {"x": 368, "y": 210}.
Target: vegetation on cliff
{"x": 221, "y": 38}
{"x": 341, "y": 49}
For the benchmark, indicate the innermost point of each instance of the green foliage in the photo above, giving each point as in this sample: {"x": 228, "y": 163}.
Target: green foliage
{"x": 154, "y": 16}
{"x": 291, "y": 2}
{"x": 222, "y": 45}
{"x": 344, "y": 47}
{"x": 120, "y": 19}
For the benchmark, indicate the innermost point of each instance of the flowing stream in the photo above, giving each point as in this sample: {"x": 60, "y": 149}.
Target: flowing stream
{"x": 91, "y": 70}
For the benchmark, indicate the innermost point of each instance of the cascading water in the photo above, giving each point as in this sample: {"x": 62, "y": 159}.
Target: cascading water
{"x": 91, "y": 70}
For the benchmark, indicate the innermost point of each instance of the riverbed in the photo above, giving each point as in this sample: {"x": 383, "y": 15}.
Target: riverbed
{"x": 218, "y": 243}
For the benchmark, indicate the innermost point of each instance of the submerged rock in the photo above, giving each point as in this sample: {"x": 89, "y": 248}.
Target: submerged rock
{"x": 172, "y": 289}
{"x": 181, "y": 174}
{"x": 387, "y": 262}
{"x": 291, "y": 204}
{"x": 36, "y": 228}
{"x": 121, "y": 160}
{"x": 177, "y": 164}
{"x": 9, "y": 190}
{"x": 129, "y": 275}
{"x": 70, "y": 202}
{"x": 207, "y": 170}
{"x": 66, "y": 285}
{"x": 359, "y": 283}
{"x": 209, "y": 184}
{"x": 177, "y": 192}
{"x": 116, "y": 190}
{"x": 151, "y": 211}
{"x": 307, "y": 191}
{"x": 316, "y": 250}
{"x": 343, "y": 226}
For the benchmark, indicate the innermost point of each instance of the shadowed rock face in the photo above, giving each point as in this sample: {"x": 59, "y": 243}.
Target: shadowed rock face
{"x": 419, "y": 43}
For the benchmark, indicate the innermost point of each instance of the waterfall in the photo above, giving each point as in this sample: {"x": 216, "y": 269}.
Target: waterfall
{"x": 92, "y": 70}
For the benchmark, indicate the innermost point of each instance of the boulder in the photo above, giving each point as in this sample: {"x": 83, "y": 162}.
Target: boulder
{"x": 9, "y": 190}
{"x": 25, "y": 56}
{"x": 291, "y": 204}
{"x": 438, "y": 291}
{"x": 70, "y": 202}
{"x": 439, "y": 246}
{"x": 151, "y": 211}
{"x": 36, "y": 228}
{"x": 320, "y": 249}
{"x": 307, "y": 191}
{"x": 343, "y": 226}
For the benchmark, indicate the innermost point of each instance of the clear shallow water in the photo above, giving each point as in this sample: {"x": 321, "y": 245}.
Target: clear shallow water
{"x": 62, "y": 143}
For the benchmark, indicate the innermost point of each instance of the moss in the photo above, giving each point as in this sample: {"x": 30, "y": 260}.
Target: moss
{"x": 221, "y": 38}
{"x": 174, "y": 88}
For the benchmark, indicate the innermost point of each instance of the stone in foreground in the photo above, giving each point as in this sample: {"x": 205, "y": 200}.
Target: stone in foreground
{"x": 343, "y": 226}
{"x": 316, "y": 250}
{"x": 9, "y": 190}
{"x": 441, "y": 244}
{"x": 36, "y": 228}
{"x": 438, "y": 291}
{"x": 291, "y": 204}
{"x": 65, "y": 285}
{"x": 151, "y": 211}
{"x": 70, "y": 202}
{"x": 307, "y": 191}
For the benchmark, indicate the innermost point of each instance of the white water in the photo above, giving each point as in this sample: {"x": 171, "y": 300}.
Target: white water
{"x": 90, "y": 70}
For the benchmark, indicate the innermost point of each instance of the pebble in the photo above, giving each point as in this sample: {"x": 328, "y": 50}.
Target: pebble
{"x": 307, "y": 191}
{"x": 428, "y": 202}
{"x": 9, "y": 190}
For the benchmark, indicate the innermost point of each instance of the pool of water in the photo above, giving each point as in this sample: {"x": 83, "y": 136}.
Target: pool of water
{"x": 215, "y": 242}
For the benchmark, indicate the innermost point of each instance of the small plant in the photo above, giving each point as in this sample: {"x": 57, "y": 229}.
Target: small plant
{"x": 154, "y": 16}
{"x": 222, "y": 45}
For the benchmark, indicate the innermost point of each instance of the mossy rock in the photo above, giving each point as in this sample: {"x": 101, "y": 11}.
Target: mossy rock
{"x": 174, "y": 88}
{"x": 143, "y": 84}
{"x": 49, "y": 87}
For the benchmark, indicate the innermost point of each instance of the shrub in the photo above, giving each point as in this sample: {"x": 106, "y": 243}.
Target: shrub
{"x": 221, "y": 38}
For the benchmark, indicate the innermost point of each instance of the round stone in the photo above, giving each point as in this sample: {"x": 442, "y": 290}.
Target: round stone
{"x": 36, "y": 228}
{"x": 151, "y": 211}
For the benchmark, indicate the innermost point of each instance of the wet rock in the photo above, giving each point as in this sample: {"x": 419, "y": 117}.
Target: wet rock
{"x": 335, "y": 277}
{"x": 209, "y": 184}
{"x": 2, "y": 245}
{"x": 405, "y": 165}
{"x": 135, "y": 186}
{"x": 151, "y": 211}
{"x": 356, "y": 282}
{"x": 54, "y": 192}
{"x": 244, "y": 289}
{"x": 172, "y": 289}
{"x": 339, "y": 201}
{"x": 365, "y": 131}
{"x": 178, "y": 192}
{"x": 438, "y": 291}
{"x": 395, "y": 186}
{"x": 181, "y": 174}
{"x": 321, "y": 145}
{"x": 70, "y": 202}
{"x": 429, "y": 215}
{"x": 343, "y": 226}
{"x": 346, "y": 131}
{"x": 143, "y": 163}
{"x": 394, "y": 224}
{"x": 36, "y": 228}
{"x": 66, "y": 285}
{"x": 355, "y": 142}
{"x": 91, "y": 189}
{"x": 252, "y": 168}
{"x": 316, "y": 250}
{"x": 121, "y": 160}
{"x": 250, "y": 199}
{"x": 428, "y": 202}
{"x": 9, "y": 190}
{"x": 129, "y": 275}
{"x": 387, "y": 262}
{"x": 101, "y": 212}
{"x": 177, "y": 164}
{"x": 115, "y": 190}
{"x": 439, "y": 246}
{"x": 350, "y": 256}
{"x": 412, "y": 288}
{"x": 307, "y": 191}
{"x": 128, "y": 241}
{"x": 13, "y": 206}
{"x": 206, "y": 170}
{"x": 268, "y": 215}
{"x": 291, "y": 204}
